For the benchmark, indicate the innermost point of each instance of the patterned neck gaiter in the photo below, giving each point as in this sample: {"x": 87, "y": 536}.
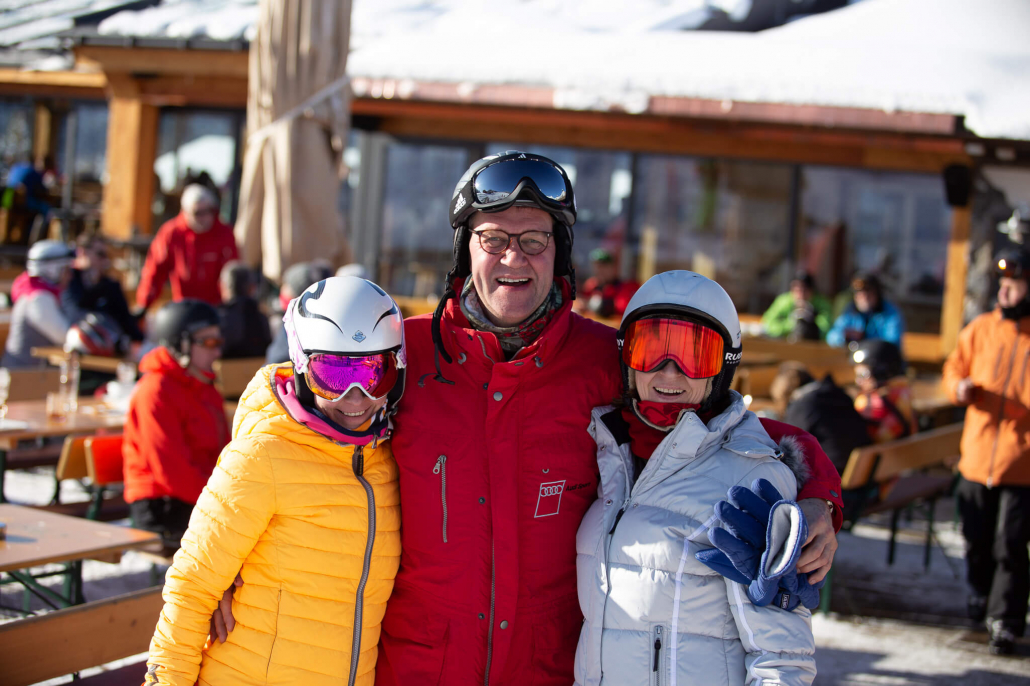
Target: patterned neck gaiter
{"x": 511, "y": 338}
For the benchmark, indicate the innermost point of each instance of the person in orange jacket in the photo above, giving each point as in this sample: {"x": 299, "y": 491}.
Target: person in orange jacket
{"x": 189, "y": 250}
{"x": 989, "y": 372}
{"x": 176, "y": 424}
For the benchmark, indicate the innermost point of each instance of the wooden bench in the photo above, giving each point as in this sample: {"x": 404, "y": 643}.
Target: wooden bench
{"x": 894, "y": 471}
{"x": 232, "y": 376}
{"x": 67, "y": 641}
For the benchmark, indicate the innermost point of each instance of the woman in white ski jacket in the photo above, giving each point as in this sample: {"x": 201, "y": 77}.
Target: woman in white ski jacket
{"x": 653, "y": 613}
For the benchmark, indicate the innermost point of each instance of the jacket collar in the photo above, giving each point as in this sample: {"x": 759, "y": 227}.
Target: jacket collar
{"x": 735, "y": 429}
{"x": 484, "y": 346}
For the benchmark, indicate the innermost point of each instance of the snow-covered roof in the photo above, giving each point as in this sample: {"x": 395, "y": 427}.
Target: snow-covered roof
{"x": 944, "y": 57}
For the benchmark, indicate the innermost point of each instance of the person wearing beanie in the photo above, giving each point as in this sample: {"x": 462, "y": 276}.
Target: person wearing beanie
{"x": 188, "y": 251}
{"x": 605, "y": 294}
{"x": 989, "y": 374}
{"x": 800, "y": 314}
{"x": 37, "y": 319}
{"x": 868, "y": 315}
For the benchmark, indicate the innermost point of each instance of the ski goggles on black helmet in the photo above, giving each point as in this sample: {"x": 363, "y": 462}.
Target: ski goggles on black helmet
{"x": 695, "y": 348}
{"x": 515, "y": 178}
{"x": 332, "y": 376}
{"x": 1013, "y": 264}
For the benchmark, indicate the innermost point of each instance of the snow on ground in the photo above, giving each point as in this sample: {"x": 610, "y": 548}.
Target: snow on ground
{"x": 891, "y": 625}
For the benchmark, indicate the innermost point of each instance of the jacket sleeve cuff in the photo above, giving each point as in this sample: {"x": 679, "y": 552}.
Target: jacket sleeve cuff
{"x": 815, "y": 489}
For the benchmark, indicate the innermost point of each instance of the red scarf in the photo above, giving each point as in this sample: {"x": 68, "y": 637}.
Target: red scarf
{"x": 643, "y": 437}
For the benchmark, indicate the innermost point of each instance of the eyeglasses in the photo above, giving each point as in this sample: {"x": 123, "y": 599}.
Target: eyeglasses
{"x": 332, "y": 376}
{"x": 211, "y": 342}
{"x": 495, "y": 241}
{"x": 696, "y": 349}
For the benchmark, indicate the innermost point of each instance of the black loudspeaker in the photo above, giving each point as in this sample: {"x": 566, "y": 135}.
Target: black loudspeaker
{"x": 958, "y": 182}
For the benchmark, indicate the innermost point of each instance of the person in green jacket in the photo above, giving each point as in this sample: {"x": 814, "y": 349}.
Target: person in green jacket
{"x": 800, "y": 314}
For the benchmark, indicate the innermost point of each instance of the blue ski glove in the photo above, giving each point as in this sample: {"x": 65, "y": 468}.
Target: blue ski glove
{"x": 760, "y": 546}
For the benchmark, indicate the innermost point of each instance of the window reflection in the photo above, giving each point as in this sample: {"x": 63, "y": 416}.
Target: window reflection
{"x": 15, "y": 132}
{"x": 196, "y": 146}
{"x": 416, "y": 248}
{"x": 728, "y": 220}
{"x": 895, "y": 224}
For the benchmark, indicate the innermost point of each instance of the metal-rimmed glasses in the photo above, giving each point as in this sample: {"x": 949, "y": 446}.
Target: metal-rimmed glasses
{"x": 495, "y": 241}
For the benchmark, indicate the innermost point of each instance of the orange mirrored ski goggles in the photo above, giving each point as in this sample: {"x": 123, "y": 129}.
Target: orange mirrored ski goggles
{"x": 696, "y": 349}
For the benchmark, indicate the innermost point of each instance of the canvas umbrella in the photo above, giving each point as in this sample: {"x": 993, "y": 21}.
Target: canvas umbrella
{"x": 298, "y": 108}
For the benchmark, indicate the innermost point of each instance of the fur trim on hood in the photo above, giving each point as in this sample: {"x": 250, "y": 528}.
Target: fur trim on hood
{"x": 793, "y": 455}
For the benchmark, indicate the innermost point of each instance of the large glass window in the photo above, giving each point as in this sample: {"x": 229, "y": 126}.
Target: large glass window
{"x": 728, "y": 220}
{"x": 894, "y": 224}
{"x": 416, "y": 239}
{"x": 16, "y": 125}
{"x": 197, "y": 145}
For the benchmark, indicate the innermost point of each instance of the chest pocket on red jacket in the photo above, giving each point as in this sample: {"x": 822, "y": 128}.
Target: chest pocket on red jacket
{"x": 558, "y": 482}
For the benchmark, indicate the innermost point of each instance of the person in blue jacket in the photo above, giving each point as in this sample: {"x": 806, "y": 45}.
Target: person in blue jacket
{"x": 868, "y": 316}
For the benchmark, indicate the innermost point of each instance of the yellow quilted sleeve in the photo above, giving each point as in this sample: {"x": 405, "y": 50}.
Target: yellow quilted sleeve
{"x": 231, "y": 514}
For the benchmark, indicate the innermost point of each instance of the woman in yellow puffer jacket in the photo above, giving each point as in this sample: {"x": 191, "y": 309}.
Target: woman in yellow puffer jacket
{"x": 303, "y": 503}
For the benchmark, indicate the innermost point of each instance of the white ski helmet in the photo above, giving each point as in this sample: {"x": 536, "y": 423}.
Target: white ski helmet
{"x": 686, "y": 295}
{"x": 47, "y": 259}
{"x": 345, "y": 315}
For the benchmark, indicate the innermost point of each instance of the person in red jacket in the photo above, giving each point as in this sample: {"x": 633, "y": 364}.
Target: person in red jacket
{"x": 176, "y": 426}
{"x": 604, "y": 293}
{"x": 496, "y": 465}
{"x": 189, "y": 250}
{"x": 497, "y": 468}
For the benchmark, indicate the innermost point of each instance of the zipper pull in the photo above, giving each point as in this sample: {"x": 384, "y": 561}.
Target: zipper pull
{"x": 657, "y": 647}
{"x": 616, "y": 522}
{"x": 439, "y": 463}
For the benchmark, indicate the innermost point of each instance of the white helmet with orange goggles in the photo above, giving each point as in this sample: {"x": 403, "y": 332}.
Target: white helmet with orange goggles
{"x": 687, "y": 318}
{"x": 346, "y": 332}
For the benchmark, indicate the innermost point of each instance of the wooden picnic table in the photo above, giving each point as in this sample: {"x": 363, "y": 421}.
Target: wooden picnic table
{"x": 95, "y": 363}
{"x": 27, "y": 420}
{"x": 36, "y": 537}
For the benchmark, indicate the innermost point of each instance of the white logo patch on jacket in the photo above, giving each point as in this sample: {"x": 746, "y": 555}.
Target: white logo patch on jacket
{"x": 549, "y": 500}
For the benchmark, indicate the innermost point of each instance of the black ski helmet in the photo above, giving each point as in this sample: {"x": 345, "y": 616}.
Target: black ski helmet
{"x": 176, "y": 322}
{"x": 882, "y": 357}
{"x": 559, "y": 201}
{"x": 1013, "y": 263}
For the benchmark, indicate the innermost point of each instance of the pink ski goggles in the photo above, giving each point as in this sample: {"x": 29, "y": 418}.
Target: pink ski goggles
{"x": 332, "y": 376}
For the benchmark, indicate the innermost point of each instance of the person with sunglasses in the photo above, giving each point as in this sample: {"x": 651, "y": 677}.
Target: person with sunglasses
{"x": 175, "y": 426}
{"x": 188, "y": 251}
{"x": 657, "y": 608}
{"x": 92, "y": 290}
{"x": 304, "y": 504}
{"x": 496, "y": 465}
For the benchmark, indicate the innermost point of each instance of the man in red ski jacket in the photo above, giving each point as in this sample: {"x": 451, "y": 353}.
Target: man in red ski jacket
{"x": 496, "y": 465}
{"x": 189, "y": 250}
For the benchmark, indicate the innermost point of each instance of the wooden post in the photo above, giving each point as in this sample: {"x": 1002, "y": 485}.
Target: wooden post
{"x": 955, "y": 278}
{"x": 131, "y": 148}
{"x": 42, "y": 135}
